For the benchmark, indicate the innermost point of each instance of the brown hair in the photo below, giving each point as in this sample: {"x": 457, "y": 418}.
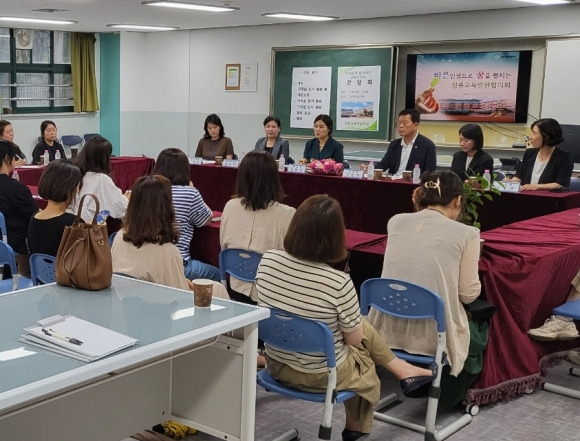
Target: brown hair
{"x": 316, "y": 232}
{"x": 258, "y": 182}
{"x": 174, "y": 165}
{"x": 438, "y": 188}
{"x": 59, "y": 181}
{"x": 150, "y": 216}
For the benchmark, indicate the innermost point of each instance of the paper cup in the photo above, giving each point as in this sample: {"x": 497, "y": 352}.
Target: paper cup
{"x": 202, "y": 292}
{"x": 378, "y": 174}
{"x": 407, "y": 174}
{"x": 218, "y": 160}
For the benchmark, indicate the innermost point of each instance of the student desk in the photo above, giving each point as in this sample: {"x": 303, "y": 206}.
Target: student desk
{"x": 183, "y": 367}
{"x": 368, "y": 205}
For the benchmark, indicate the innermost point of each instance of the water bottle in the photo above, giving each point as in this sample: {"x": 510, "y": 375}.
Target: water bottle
{"x": 15, "y": 175}
{"x": 45, "y": 156}
{"x": 371, "y": 171}
{"x": 487, "y": 177}
{"x": 281, "y": 163}
{"x": 57, "y": 155}
{"x": 416, "y": 174}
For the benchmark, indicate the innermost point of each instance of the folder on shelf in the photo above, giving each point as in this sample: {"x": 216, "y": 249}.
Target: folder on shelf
{"x": 75, "y": 338}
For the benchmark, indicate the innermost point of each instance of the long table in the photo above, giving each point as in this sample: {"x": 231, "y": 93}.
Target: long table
{"x": 526, "y": 269}
{"x": 124, "y": 171}
{"x": 368, "y": 205}
{"x": 183, "y": 367}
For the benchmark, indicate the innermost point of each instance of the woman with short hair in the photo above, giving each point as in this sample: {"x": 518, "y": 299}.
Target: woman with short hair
{"x": 58, "y": 185}
{"x": 300, "y": 281}
{"x": 190, "y": 210}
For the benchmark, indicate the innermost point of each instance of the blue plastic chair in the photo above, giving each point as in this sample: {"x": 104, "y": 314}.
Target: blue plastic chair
{"x": 289, "y": 332}
{"x": 242, "y": 264}
{"x": 42, "y": 269}
{"x": 407, "y": 300}
{"x": 571, "y": 310}
{"x": 17, "y": 282}
{"x": 3, "y": 227}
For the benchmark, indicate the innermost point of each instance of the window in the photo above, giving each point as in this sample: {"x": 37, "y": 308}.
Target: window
{"x": 35, "y": 71}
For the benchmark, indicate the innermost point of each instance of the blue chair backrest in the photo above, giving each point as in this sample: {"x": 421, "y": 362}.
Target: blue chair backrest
{"x": 42, "y": 269}
{"x": 3, "y": 227}
{"x": 242, "y": 264}
{"x": 402, "y": 299}
{"x": 289, "y": 332}
{"x": 71, "y": 140}
{"x": 7, "y": 257}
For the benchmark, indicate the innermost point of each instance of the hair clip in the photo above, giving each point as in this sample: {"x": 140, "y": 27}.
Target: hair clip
{"x": 431, "y": 184}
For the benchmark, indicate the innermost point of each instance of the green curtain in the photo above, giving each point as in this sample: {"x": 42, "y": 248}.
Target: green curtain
{"x": 82, "y": 55}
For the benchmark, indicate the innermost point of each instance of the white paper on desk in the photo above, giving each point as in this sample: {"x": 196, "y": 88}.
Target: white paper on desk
{"x": 97, "y": 341}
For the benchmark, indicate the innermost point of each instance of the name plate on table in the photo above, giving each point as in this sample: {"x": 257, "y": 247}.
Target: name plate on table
{"x": 507, "y": 187}
{"x": 195, "y": 161}
{"x": 293, "y": 168}
{"x": 232, "y": 163}
{"x": 352, "y": 174}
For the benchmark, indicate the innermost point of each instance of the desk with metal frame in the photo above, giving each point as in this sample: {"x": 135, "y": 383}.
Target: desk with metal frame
{"x": 183, "y": 367}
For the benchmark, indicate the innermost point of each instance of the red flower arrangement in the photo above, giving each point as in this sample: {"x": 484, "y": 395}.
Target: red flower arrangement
{"x": 326, "y": 167}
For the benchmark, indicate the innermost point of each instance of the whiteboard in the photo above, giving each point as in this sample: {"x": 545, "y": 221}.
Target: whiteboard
{"x": 561, "y": 81}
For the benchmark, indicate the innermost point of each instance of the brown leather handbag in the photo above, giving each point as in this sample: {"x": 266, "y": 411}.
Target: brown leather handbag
{"x": 83, "y": 259}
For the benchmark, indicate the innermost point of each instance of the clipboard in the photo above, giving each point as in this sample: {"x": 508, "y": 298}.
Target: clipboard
{"x": 96, "y": 341}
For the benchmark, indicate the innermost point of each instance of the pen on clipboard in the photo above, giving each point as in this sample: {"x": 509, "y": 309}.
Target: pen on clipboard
{"x": 60, "y": 336}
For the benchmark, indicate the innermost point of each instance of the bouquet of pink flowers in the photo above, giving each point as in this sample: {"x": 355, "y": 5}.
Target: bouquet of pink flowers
{"x": 326, "y": 167}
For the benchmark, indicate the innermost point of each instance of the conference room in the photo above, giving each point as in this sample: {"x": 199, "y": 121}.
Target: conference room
{"x": 155, "y": 90}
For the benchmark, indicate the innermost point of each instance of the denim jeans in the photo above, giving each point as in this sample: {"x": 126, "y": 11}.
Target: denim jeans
{"x": 194, "y": 269}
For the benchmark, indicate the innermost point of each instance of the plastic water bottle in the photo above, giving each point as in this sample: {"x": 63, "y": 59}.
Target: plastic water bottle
{"x": 416, "y": 174}
{"x": 487, "y": 177}
{"x": 57, "y": 155}
{"x": 281, "y": 163}
{"x": 15, "y": 175}
{"x": 371, "y": 171}
{"x": 45, "y": 156}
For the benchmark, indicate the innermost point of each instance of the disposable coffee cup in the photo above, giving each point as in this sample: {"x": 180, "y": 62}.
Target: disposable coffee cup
{"x": 202, "y": 292}
{"x": 73, "y": 152}
{"x": 218, "y": 160}
{"x": 407, "y": 174}
{"x": 378, "y": 174}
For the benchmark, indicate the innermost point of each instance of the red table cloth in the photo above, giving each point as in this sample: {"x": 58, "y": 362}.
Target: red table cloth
{"x": 368, "y": 205}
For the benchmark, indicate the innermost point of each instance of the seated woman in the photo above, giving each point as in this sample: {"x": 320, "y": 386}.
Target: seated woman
{"x": 255, "y": 219}
{"x": 431, "y": 249}
{"x": 299, "y": 280}
{"x": 214, "y": 142}
{"x": 272, "y": 143}
{"x": 7, "y": 133}
{"x": 323, "y": 146}
{"x": 471, "y": 160}
{"x": 190, "y": 210}
{"x": 17, "y": 206}
{"x": 145, "y": 247}
{"x": 545, "y": 166}
{"x": 94, "y": 160}
{"x": 48, "y": 143}
{"x": 58, "y": 185}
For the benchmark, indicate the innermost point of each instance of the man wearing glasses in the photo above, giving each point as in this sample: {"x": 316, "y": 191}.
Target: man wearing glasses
{"x": 412, "y": 148}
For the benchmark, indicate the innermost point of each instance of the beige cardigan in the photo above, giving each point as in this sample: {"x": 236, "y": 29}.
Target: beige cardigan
{"x": 258, "y": 231}
{"x": 431, "y": 250}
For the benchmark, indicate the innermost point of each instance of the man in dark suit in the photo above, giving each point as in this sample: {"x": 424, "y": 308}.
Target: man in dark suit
{"x": 412, "y": 148}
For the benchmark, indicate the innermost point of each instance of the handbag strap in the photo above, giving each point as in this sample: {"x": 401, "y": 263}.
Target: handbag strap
{"x": 97, "y": 209}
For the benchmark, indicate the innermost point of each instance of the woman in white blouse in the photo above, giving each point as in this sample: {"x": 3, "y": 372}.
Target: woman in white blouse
{"x": 94, "y": 160}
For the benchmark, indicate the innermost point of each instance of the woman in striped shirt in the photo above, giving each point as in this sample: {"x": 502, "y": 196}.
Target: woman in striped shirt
{"x": 299, "y": 280}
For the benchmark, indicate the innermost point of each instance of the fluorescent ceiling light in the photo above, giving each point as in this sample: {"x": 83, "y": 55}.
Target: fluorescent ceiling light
{"x": 546, "y": 2}
{"x": 131, "y": 27}
{"x": 38, "y": 20}
{"x": 196, "y": 7}
{"x": 292, "y": 16}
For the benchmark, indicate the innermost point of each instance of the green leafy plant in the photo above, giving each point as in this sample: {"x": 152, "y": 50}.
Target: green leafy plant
{"x": 474, "y": 196}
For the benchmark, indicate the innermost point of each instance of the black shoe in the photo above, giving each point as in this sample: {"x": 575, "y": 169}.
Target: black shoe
{"x": 352, "y": 435}
{"x": 418, "y": 386}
